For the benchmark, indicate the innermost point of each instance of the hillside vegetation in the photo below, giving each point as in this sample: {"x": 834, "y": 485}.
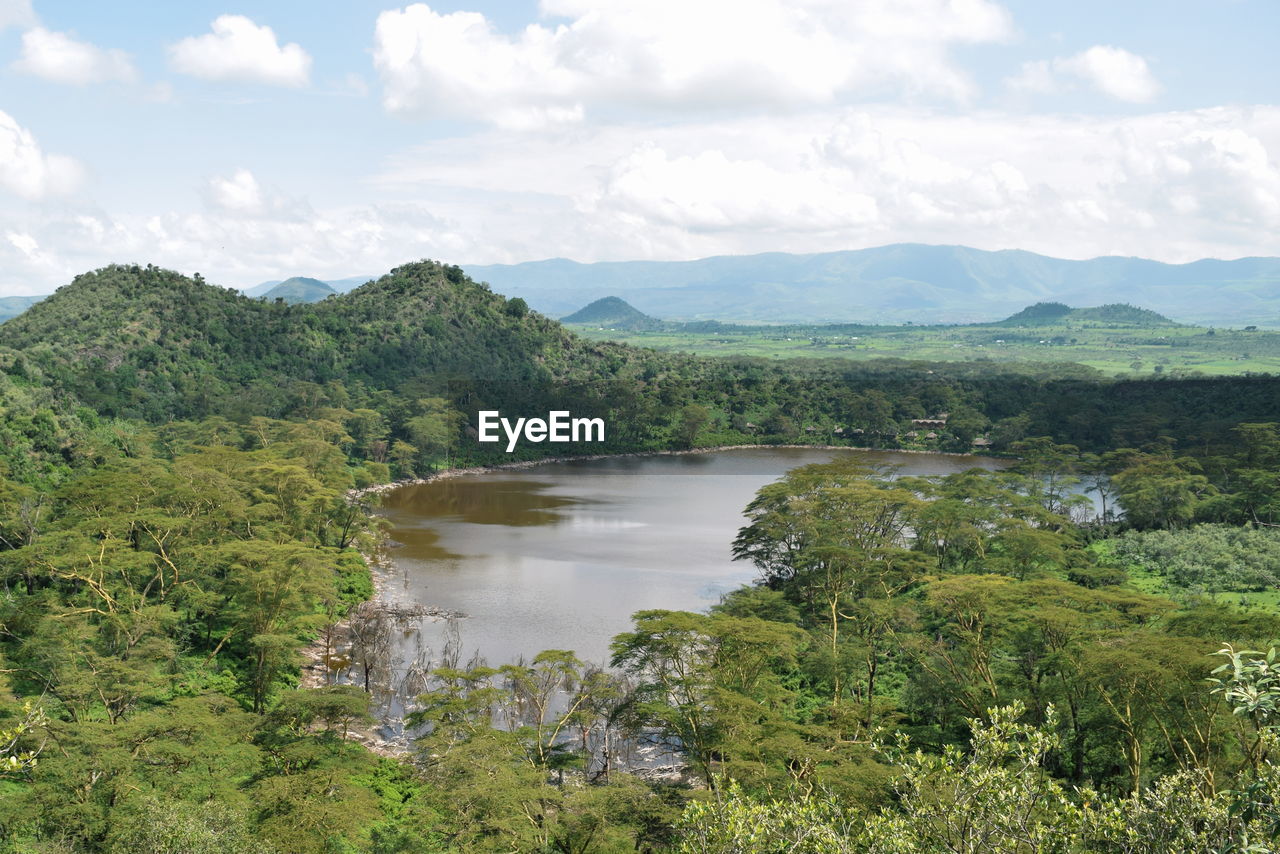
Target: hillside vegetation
{"x": 146, "y": 342}
{"x": 14, "y": 306}
{"x": 426, "y": 342}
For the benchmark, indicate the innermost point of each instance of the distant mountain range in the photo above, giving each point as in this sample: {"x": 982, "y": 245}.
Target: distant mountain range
{"x": 887, "y": 284}
{"x": 894, "y": 284}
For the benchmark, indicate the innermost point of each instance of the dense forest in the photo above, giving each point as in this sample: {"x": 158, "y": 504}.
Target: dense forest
{"x": 969, "y": 663}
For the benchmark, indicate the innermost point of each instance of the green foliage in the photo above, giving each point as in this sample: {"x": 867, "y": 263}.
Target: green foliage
{"x": 996, "y": 796}
{"x": 362, "y": 361}
{"x": 1212, "y": 558}
{"x": 1161, "y": 493}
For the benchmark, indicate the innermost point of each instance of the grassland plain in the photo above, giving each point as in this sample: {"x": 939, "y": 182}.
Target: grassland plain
{"x": 1175, "y": 350}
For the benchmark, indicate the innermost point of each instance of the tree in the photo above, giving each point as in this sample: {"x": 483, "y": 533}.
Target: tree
{"x": 274, "y": 595}
{"x": 698, "y": 675}
{"x": 692, "y": 419}
{"x": 370, "y": 630}
{"x": 838, "y": 539}
{"x": 434, "y": 430}
{"x": 1159, "y": 492}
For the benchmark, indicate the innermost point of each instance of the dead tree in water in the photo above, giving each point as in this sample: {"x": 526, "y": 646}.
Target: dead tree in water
{"x": 371, "y": 626}
{"x": 370, "y": 629}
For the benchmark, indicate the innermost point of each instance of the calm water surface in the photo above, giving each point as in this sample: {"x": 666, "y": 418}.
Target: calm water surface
{"x": 559, "y": 556}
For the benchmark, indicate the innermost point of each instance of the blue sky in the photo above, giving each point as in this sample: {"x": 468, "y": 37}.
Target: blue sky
{"x": 262, "y": 140}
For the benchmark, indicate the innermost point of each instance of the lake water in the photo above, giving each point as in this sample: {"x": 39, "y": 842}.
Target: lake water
{"x": 560, "y": 555}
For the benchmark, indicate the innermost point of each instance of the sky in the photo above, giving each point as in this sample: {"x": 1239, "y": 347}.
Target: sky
{"x": 335, "y": 138}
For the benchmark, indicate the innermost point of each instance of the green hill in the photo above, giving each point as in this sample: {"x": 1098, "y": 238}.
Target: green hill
{"x": 299, "y": 289}
{"x": 1057, "y": 314}
{"x": 615, "y": 313}
{"x": 151, "y": 344}
{"x": 186, "y": 348}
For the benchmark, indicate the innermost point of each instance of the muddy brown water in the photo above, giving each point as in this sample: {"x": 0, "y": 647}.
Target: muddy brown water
{"x": 559, "y": 556}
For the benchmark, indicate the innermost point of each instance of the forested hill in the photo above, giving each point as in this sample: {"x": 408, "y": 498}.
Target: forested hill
{"x": 147, "y": 342}
{"x": 425, "y": 347}
{"x": 1113, "y": 314}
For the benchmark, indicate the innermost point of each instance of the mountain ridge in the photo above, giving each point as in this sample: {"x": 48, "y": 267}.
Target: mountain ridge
{"x": 896, "y": 283}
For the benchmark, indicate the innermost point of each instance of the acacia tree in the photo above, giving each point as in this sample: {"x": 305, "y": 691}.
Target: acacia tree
{"x": 1160, "y": 492}
{"x": 274, "y": 590}
{"x": 704, "y": 684}
{"x": 838, "y": 538}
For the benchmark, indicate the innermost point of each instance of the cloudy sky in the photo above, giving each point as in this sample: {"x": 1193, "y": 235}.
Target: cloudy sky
{"x": 341, "y": 137}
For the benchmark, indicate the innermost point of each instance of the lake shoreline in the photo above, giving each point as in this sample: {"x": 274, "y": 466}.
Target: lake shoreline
{"x": 315, "y": 672}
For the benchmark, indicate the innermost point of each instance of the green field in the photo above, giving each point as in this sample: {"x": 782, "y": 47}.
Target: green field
{"x": 1113, "y": 350}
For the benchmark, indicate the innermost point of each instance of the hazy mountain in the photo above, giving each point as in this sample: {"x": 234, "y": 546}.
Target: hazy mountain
{"x": 336, "y": 286}
{"x": 299, "y": 289}
{"x": 13, "y": 306}
{"x": 929, "y": 284}
{"x": 614, "y": 313}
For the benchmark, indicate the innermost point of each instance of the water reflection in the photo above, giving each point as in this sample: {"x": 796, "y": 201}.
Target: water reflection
{"x": 506, "y": 500}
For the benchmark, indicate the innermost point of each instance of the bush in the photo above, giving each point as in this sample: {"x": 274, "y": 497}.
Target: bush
{"x": 1212, "y": 558}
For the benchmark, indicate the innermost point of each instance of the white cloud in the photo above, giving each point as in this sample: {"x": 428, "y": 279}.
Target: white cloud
{"x": 1114, "y": 71}
{"x": 26, "y": 170}
{"x": 1036, "y": 77}
{"x": 1111, "y": 70}
{"x": 1222, "y": 176}
{"x": 16, "y": 13}
{"x": 709, "y": 192}
{"x": 917, "y": 186}
{"x": 240, "y": 50}
{"x": 240, "y": 193}
{"x": 43, "y": 252}
{"x": 60, "y": 58}
{"x": 1172, "y": 186}
{"x": 24, "y": 243}
{"x": 670, "y": 55}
